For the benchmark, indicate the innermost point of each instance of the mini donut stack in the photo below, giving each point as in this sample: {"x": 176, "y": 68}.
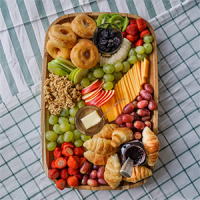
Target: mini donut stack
{"x": 64, "y": 42}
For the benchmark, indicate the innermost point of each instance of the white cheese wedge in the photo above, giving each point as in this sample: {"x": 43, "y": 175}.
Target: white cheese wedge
{"x": 91, "y": 119}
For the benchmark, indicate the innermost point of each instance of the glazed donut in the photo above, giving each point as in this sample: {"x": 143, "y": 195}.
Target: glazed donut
{"x": 84, "y": 54}
{"x": 83, "y": 26}
{"x": 55, "y": 51}
{"x": 62, "y": 36}
{"x": 67, "y": 24}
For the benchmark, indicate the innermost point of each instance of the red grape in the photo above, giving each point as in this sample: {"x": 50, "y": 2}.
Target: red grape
{"x": 100, "y": 173}
{"x": 135, "y": 116}
{"x": 139, "y": 125}
{"x": 84, "y": 179}
{"x": 147, "y": 123}
{"x": 122, "y": 125}
{"x": 134, "y": 104}
{"x": 137, "y": 135}
{"x": 84, "y": 168}
{"x": 139, "y": 98}
{"x": 119, "y": 120}
{"x": 129, "y": 125}
{"x": 148, "y": 88}
{"x": 128, "y": 108}
{"x": 152, "y": 105}
{"x": 145, "y": 95}
{"x": 142, "y": 104}
{"x": 102, "y": 181}
{"x": 146, "y": 118}
{"x": 96, "y": 167}
{"x": 143, "y": 112}
{"x": 92, "y": 182}
{"x": 127, "y": 118}
{"x": 93, "y": 174}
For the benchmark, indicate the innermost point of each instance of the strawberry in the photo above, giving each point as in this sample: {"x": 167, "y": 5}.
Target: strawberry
{"x": 143, "y": 33}
{"x": 67, "y": 144}
{"x": 124, "y": 34}
{"x": 132, "y": 38}
{"x": 53, "y": 164}
{"x": 61, "y": 162}
{"x": 53, "y": 174}
{"x": 137, "y": 135}
{"x": 132, "y": 29}
{"x": 68, "y": 151}
{"x": 139, "y": 42}
{"x": 64, "y": 173}
{"x": 61, "y": 184}
{"x": 141, "y": 24}
{"x": 73, "y": 181}
{"x": 57, "y": 152}
{"x": 74, "y": 162}
{"x": 132, "y": 21}
{"x": 73, "y": 171}
{"x": 78, "y": 151}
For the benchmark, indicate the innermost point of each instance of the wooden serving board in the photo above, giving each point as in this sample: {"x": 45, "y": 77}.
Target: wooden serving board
{"x": 47, "y": 156}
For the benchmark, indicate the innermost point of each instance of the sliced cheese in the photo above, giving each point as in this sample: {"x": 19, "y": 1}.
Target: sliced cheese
{"x": 128, "y": 86}
{"x": 125, "y": 91}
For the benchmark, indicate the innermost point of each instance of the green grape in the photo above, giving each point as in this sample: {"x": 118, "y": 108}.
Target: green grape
{"x": 117, "y": 75}
{"x": 108, "y": 85}
{"x": 62, "y": 120}
{"x": 141, "y": 56}
{"x": 85, "y": 82}
{"x": 91, "y": 77}
{"x": 56, "y": 128}
{"x": 77, "y": 134}
{"x": 118, "y": 66}
{"x": 132, "y": 59}
{"x": 72, "y": 127}
{"x": 53, "y": 119}
{"x": 95, "y": 67}
{"x": 78, "y": 143}
{"x": 60, "y": 139}
{"x": 80, "y": 104}
{"x": 148, "y": 38}
{"x": 73, "y": 111}
{"x": 132, "y": 52}
{"x": 148, "y": 48}
{"x": 51, "y": 146}
{"x": 51, "y": 136}
{"x": 71, "y": 120}
{"x": 114, "y": 83}
{"x": 108, "y": 69}
{"x": 68, "y": 136}
{"x": 64, "y": 112}
{"x": 65, "y": 127}
{"x": 126, "y": 66}
{"x": 98, "y": 73}
{"x": 108, "y": 77}
{"x": 85, "y": 137}
{"x": 140, "y": 49}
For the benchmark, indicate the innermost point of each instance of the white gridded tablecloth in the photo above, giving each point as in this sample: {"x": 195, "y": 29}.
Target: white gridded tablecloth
{"x": 22, "y": 30}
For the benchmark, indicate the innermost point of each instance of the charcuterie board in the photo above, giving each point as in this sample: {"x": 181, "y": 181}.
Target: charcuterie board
{"x": 47, "y": 156}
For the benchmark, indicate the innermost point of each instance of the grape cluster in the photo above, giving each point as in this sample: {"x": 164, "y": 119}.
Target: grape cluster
{"x": 64, "y": 129}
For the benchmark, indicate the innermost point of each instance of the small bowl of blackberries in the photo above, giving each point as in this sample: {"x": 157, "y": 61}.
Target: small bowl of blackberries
{"x": 108, "y": 38}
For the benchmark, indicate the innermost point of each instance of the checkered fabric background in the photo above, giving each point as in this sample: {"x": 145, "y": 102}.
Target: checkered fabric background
{"x": 177, "y": 29}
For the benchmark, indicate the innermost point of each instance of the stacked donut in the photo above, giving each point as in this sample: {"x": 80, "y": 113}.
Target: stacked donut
{"x": 65, "y": 41}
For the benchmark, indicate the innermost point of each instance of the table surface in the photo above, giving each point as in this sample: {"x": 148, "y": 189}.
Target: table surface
{"x": 22, "y": 31}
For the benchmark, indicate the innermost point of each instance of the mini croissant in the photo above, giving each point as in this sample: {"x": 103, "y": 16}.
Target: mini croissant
{"x": 106, "y": 132}
{"x": 112, "y": 173}
{"x": 96, "y": 159}
{"x": 121, "y": 135}
{"x": 100, "y": 145}
{"x": 151, "y": 145}
{"x": 138, "y": 173}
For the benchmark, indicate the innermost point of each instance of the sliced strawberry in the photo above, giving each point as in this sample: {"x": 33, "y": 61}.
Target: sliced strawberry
{"x": 53, "y": 164}
{"x": 132, "y": 29}
{"x": 67, "y": 144}
{"x": 124, "y": 34}
{"x": 141, "y": 24}
{"x": 57, "y": 152}
{"x": 61, "y": 162}
{"x": 61, "y": 184}
{"x": 68, "y": 151}
{"x": 53, "y": 174}
{"x": 132, "y": 21}
{"x": 143, "y": 33}
{"x": 64, "y": 174}
{"x": 132, "y": 38}
{"x": 139, "y": 42}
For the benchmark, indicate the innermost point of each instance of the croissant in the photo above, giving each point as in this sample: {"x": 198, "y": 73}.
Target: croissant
{"x": 151, "y": 145}
{"x": 96, "y": 159}
{"x": 121, "y": 135}
{"x": 100, "y": 145}
{"x": 112, "y": 173}
{"x": 106, "y": 131}
{"x": 138, "y": 173}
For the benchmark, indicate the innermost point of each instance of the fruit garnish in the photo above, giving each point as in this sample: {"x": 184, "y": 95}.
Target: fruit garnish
{"x": 61, "y": 184}
{"x": 61, "y": 162}
{"x": 144, "y": 33}
{"x": 141, "y": 24}
{"x": 53, "y": 174}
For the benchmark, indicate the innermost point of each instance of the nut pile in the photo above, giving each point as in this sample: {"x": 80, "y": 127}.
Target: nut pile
{"x": 60, "y": 93}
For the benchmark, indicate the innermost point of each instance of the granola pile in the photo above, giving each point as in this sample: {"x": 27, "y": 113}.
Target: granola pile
{"x": 60, "y": 93}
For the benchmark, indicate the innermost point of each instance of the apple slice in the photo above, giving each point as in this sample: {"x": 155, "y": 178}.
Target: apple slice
{"x": 91, "y": 94}
{"x": 105, "y": 94}
{"x": 93, "y": 101}
{"x": 95, "y": 84}
{"x": 106, "y": 99}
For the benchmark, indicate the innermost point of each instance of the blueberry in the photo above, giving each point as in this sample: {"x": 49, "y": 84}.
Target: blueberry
{"x": 116, "y": 41}
{"x": 103, "y": 41}
{"x": 110, "y": 41}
